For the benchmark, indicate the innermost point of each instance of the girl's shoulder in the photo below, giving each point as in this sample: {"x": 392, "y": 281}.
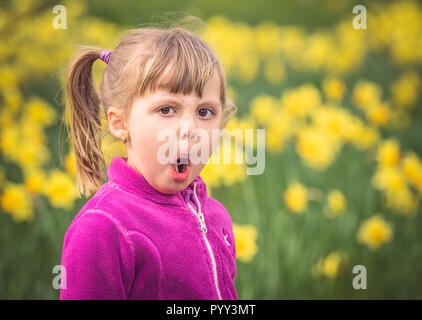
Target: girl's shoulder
{"x": 99, "y": 204}
{"x": 218, "y": 210}
{"x": 125, "y": 210}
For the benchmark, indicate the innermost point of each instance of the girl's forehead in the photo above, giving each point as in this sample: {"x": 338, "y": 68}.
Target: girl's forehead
{"x": 165, "y": 94}
{"x": 174, "y": 77}
{"x": 183, "y": 89}
{"x": 210, "y": 89}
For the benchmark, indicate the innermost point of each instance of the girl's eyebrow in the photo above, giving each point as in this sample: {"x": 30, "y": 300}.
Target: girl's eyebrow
{"x": 210, "y": 102}
{"x": 169, "y": 99}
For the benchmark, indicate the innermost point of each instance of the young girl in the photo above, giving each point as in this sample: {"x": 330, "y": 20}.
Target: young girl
{"x": 150, "y": 231}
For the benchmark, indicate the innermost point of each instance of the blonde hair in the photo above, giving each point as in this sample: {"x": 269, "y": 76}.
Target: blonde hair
{"x": 137, "y": 64}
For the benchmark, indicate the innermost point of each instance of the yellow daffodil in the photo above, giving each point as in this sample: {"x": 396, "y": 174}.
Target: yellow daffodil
{"x": 337, "y": 203}
{"x": 403, "y": 201}
{"x": 317, "y": 149}
{"x": 39, "y": 112}
{"x": 330, "y": 266}
{"x": 405, "y": 90}
{"x": 389, "y": 152}
{"x": 366, "y": 93}
{"x": 334, "y": 89}
{"x": 296, "y": 197}
{"x": 16, "y": 202}
{"x": 389, "y": 179}
{"x": 263, "y": 108}
{"x": 35, "y": 180}
{"x": 245, "y": 241}
{"x": 379, "y": 114}
{"x": 374, "y": 232}
{"x": 299, "y": 102}
{"x": 412, "y": 169}
{"x": 60, "y": 189}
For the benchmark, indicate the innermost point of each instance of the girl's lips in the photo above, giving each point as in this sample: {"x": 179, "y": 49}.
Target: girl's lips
{"x": 180, "y": 177}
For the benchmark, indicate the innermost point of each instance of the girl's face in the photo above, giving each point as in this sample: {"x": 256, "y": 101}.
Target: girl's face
{"x": 160, "y": 112}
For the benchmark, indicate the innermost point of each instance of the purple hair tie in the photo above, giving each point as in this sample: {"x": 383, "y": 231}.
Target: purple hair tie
{"x": 105, "y": 55}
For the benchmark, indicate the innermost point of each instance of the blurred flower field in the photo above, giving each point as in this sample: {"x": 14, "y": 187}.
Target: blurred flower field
{"x": 342, "y": 113}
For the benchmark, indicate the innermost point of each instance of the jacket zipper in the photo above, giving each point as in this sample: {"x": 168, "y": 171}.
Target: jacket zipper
{"x": 200, "y": 217}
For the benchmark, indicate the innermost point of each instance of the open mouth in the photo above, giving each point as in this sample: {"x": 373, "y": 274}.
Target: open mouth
{"x": 181, "y": 165}
{"x": 180, "y": 169}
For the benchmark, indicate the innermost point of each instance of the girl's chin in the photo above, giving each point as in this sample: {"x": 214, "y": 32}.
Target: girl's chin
{"x": 172, "y": 190}
{"x": 171, "y": 186}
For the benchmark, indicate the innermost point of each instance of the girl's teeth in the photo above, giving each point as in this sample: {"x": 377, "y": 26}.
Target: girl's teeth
{"x": 179, "y": 168}
{"x": 180, "y": 165}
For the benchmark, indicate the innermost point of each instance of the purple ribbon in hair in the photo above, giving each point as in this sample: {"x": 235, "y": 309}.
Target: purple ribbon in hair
{"x": 105, "y": 55}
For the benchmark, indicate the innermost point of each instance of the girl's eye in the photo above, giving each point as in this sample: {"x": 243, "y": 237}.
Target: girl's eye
{"x": 205, "y": 113}
{"x": 166, "y": 110}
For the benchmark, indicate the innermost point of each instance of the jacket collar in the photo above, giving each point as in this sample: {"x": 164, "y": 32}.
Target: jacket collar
{"x": 121, "y": 173}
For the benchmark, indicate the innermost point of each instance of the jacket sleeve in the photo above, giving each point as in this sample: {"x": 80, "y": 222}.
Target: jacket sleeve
{"x": 97, "y": 258}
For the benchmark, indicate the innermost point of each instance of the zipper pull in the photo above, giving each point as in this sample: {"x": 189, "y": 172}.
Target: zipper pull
{"x": 202, "y": 221}
{"x": 200, "y": 217}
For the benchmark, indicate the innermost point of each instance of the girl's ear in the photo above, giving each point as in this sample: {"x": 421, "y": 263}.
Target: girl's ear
{"x": 116, "y": 123}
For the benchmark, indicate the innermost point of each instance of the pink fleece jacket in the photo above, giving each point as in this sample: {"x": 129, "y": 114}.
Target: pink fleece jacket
{"x": 130, "y": 241}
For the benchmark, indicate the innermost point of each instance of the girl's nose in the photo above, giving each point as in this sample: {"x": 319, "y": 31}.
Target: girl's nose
{"x": 188, "y": 130}
{"x": 190, "y": 135}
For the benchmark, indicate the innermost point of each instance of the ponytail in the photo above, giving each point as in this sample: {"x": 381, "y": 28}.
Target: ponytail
{"x": 83, "y": 110}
